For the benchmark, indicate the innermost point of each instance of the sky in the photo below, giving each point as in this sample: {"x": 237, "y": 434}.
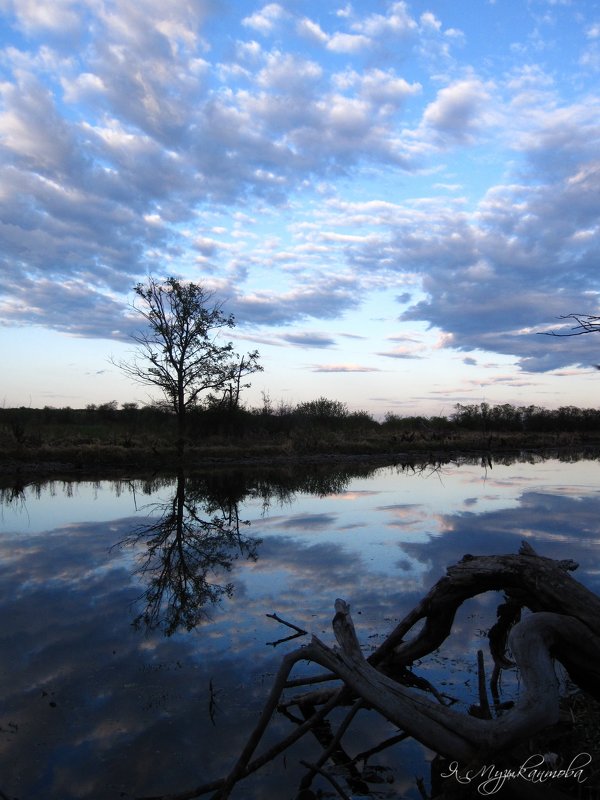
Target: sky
{"x": 393, "y": 198}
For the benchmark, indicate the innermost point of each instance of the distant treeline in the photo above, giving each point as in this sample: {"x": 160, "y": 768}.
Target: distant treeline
{"x": 306, "y": 424}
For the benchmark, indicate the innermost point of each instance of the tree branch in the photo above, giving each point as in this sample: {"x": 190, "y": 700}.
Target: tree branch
{"x": 565, "y": 624}
{"x": 586, "y": 323}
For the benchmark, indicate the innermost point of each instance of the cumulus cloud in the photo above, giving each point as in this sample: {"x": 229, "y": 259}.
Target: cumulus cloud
{"x": 265, "y": 20}
{"x": 323, "y": 299}
{"x": 32, "y": 130}
{"x": 458, "y": 111}
{"x": 396, "y": 22}
{"x": 57, "y": 18}
{"x": 121, "y": 156}
{"x": 348, "y": 42}
{"x": 71, "y": 307}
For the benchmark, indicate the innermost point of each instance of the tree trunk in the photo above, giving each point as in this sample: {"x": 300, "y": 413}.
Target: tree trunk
{"x": 181, "y": 431}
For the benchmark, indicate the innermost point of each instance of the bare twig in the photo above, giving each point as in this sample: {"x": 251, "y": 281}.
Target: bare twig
{"x": 252, "y": 743}
{"x": 322, "y": 678}
{"x": 421, "y": 788}
{"x": 272, "y": 702}
{"x": 307, "y": 780}
{"x": 285, "y": 639}
{"x": 586, "y": 323}
{"x": 300, "y": 631}
{"x": 366, "y": 755}
{"x": 496, "y": 672}
{"x": 258, "y": 762}
{"x": 315, "y": 698}
{"x": 483, "y": 698}
{"x": 329, "y": 778}
{"x": 212, "y": 701}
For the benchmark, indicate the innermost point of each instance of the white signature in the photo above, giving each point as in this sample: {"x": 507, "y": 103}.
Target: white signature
{"x": 534, "y": 769}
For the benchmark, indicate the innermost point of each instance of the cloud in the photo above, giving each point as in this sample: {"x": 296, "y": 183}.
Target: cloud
{"x": 402, "y": 352}
{"x": 459, "y": 111}
{"x": 58, "y": 19}
{"x": 115, "y": 160}
{"x": 289, "y": 74}
{"x": 32, "y": 130}
{"x": 72, "y": 308}
{"x": 343, "y": 368}
{"x": 383, "y": 89}
{"x": 397, "y": 23}
{"x": 265, "y": 20}
{"x": 105, "y": 155}
{"x": 311, "y": 30}
{"x": 308, "y": 339}
{"x": 348, "y": 42}
{"x": 369, "y": 33}
{"x": 492, "y": 278}
{"x": 308, "y": 522}
{"x": 326, "y": 298}
{"x": 526, "y": 258}
{"x": 553, "y": 521}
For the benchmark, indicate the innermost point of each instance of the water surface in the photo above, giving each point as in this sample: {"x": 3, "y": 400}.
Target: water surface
{"x": 135, "y": 651}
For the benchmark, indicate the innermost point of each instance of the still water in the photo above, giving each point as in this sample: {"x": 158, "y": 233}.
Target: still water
{"x": 135, "y": 650}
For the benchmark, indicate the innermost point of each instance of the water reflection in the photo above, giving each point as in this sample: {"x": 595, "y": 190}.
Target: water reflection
{"x": 193, "y": 540}
{"x": 185, "y": 551}
{"x": 92, "y": 710}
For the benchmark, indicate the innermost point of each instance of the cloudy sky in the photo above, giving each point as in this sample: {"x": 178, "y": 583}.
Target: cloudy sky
{"x": 393, "y": 198}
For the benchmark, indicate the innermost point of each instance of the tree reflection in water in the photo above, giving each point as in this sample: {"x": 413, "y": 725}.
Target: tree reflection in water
{"x": 193, "y": 539}
{"x": 111, "y": 684}
{"x": 198, "y": 535}
{"x": 186, "y": 552}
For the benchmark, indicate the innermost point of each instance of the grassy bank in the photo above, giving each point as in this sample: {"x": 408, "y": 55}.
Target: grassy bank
{"x": 130, "y": 437}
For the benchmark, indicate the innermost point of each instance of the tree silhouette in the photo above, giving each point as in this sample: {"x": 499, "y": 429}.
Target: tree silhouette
{"x": 194, "y": 541}
{"x": 181, "y": 352}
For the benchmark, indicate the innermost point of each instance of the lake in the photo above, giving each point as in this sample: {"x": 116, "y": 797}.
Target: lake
{"x": 135, "y": 650}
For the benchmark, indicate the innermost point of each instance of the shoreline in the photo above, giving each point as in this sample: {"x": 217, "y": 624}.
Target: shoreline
{"x": 33, "y": 470}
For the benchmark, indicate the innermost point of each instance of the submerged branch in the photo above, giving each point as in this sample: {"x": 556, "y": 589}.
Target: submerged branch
{"x": 565, "y": 625}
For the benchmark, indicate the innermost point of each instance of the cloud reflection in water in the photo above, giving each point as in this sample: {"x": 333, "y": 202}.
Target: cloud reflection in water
{"x": 92, "y": 708}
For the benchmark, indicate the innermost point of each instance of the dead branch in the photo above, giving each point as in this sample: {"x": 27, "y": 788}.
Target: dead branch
{"x": 443, "y": 729}
{"x": 328, "y": 777}
{"x": 291, "y": 625}
{"x": 366, "y": 755}
{"x": 332, "y": 746}
{"x": 564, "y": 624}
{"x": 539, "y": 583}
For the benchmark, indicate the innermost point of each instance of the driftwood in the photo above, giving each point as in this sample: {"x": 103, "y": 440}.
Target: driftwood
{"x": 564, "y": 625}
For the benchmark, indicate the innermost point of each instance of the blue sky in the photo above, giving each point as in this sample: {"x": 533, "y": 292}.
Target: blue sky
{"x": 392, "y": 198}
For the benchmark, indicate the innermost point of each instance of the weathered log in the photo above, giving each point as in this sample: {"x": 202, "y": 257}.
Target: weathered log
{"x": 443, "y": 729}
{"x": 541, "y": 584}
{"x": 564, "y": 624}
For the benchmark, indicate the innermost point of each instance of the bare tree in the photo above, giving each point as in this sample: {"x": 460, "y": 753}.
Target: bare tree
{"x": 181, "y": 352}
